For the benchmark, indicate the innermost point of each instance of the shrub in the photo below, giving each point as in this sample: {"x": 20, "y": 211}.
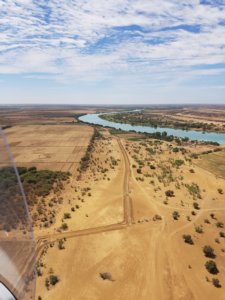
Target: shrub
{"x": 67, "y": 216}
{"x": 64, "y": 226}
{"x": 207, "y": 221}
{"x": 47, "y": 283}
{"x": 211, "y": 267}
{"x": 157, "y": 217}
{"x": 194, "y": 190}
{"x": 176, "y": 215}
{"x": 212, "y": 215}
{"x": 175, "y": 150}
{"x": 196, "y": 205}
{"x": 53, "y": 279}
{"x": 219, "y": 225}
{"x": 61, "y": 245}
{"x": 179, "y": 162}
{"x": 169, "y": 193}
{"x": 220, "y": 191}
{"x": 216, "y": 282}
{"x": 199, "y": 229}
{"x": 139, "y": 171}
{"x": 106, "y": 276}
{"x": 209, "y": 252}
{"x": 222, "y": 234}
{"x": 188, "y": 239}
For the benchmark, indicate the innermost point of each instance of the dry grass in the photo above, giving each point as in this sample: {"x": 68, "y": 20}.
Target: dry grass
{"x": 214, "y": 163}
{"x": 53, "y": 147}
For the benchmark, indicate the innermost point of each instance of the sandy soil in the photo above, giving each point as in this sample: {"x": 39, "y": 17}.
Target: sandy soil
{"x": 146, "y": 256}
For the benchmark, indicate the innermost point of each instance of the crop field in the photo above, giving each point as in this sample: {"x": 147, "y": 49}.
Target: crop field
{"x": 53, "y": 147}
{"x": 213, "y": 162}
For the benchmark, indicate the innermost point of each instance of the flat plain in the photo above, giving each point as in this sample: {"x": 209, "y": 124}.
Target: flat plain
{"x": 133, "y": 219}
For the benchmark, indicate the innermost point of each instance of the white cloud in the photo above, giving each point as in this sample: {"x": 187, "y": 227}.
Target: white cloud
{"x": 59, "y": 37}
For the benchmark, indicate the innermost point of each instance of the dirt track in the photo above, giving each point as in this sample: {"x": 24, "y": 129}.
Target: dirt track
{"x": 127, "y": 206}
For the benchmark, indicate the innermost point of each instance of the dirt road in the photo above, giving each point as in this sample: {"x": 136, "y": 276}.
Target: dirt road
{"x": 127, "y": 206}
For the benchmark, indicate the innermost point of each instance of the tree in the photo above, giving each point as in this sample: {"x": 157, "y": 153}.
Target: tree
{"x": 216, "y": 282}
{"x": 67, "y": 215}
{"x": 169, "y": 193}
{"x": 47, "y": 283}
{"x": 53, "y": 279}
{"x": 219, "y": 224}
{"x": 220, "y": 191}
{"x": 199, "y": 229}
{"x": 64, "y": 226}
{"x": 196, "y": 205}
{"x": 139, "y": 171}
{"x": 179, "y": 162}
{"x": 188, "y": 239}
{"x": 222, "y": 234}
{"x": 61, "y": 245}
{"x": 176, "y": 215}
{"x": 209, "y": 252}
{"x": 211, "y": 267}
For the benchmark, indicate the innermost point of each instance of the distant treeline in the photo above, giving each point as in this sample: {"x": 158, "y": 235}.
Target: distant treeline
{"x": 154, "y": 120}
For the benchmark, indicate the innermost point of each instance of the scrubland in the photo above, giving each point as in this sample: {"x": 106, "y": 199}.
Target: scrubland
{"x": 135, "y": 218}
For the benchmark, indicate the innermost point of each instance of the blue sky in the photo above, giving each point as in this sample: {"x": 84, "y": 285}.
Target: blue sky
{"x": 112, "y": 51}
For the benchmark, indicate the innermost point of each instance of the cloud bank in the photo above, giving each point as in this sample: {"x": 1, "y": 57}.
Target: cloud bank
{"x": 146, "y": 41}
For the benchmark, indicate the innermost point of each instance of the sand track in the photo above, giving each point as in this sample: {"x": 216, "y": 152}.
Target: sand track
{"x": 44, "y": 240}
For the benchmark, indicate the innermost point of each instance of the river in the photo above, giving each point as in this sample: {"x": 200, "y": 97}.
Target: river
{"x": 191, "y": 134}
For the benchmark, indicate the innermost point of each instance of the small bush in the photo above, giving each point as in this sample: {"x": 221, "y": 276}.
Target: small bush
{"x": 47, "y": 283}
{"x": 61, "y": 245}
{"x": 219, "y": 225}
{"x": 196, "y": 205}
{"x": 139, "y": 171}
{"x": 199, "y": 229}
{"x": 169, "y": 193}
{"x": 106, "y": 276}
{"x": 220, "y": 191}
{"x": 188, "y": 239}
{"x": 211, "y": 267}
{"x": 212, "y": 215}
{"x": 176, "y": 215}
{"x": 67, "y": 216}
{"x": 157, "y": 217}
{"x": 53, "y": 279}
{"x": 179, "y": 162}
{"x": 209, "y": 252}
{"x": 216, "y": 282}
{"x": 64, "y": 226}
{"x": 222, "y": 234}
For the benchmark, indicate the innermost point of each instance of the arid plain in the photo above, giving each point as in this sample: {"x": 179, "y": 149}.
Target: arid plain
{"x": 134, "y": 216}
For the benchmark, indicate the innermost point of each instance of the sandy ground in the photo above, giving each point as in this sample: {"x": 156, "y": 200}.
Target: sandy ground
{"x": 146, "y": 258}
{"x": 114, "y": 229}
